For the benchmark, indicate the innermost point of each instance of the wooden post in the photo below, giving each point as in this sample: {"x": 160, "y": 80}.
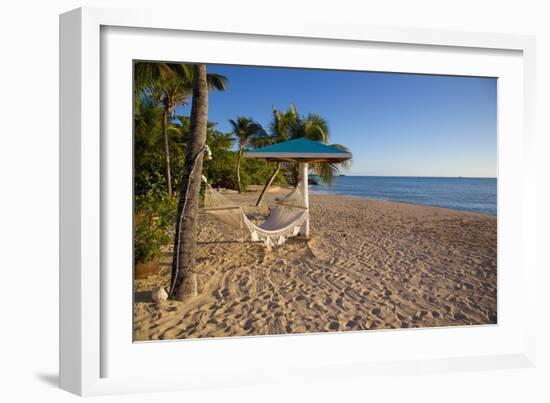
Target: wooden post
{"x": 302, "y": 169}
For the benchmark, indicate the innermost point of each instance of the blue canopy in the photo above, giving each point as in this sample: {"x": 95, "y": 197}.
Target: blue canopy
{"x": 300, "y": 149}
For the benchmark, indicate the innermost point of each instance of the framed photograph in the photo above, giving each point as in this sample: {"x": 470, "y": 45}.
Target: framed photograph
{"x": 242, "y": 203}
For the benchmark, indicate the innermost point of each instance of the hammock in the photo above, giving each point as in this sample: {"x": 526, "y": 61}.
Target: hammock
{"x": 285, "y": 219}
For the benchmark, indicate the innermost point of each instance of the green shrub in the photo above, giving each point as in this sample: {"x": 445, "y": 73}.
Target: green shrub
{"x": 149, "y": 238}
{"x": 255, "y": 172}
{"x": 154, "y": 215}
{"x": 221, "y": 169}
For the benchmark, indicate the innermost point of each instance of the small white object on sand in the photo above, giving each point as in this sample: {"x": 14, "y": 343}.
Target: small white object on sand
{"x": 159, "y": 294}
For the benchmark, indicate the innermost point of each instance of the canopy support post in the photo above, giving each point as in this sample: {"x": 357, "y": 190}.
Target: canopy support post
{"x": 303, "y": 174}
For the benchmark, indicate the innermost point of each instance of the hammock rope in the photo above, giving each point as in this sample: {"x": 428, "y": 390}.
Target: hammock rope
{"x": 285, "y": 219}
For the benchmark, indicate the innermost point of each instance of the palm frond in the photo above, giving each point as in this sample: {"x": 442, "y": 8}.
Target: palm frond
{"x": 316, "y": 128}
{"x": 326, "y": 171}
{"x": 344, "y": 164}
{"x": 292, "y": 111}
{"x": 234, "y": 125}
{"x": 281, "y": 123}
{"x": 216, "y": 82}
{"x": 184, "y": 72}
{"x": 246, "y": 130}
{"x": 262, "y": 141}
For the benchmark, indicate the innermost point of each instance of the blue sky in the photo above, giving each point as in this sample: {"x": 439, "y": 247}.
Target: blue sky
{"x": 394, "y": 124}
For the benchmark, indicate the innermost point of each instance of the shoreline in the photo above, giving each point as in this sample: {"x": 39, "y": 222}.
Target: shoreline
{"x": 312, "y": 192}
{"x": 457, "y": 193}
{"x": 369, "y": 264}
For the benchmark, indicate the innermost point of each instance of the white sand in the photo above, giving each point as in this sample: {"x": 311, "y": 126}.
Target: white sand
{"x": 368, "y": 265}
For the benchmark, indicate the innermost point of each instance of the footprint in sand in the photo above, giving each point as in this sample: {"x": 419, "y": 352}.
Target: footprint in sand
{"x": 248, "y": 324}
{"x": 334, "y": 326}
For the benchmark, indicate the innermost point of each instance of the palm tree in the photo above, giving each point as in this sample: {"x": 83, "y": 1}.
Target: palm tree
{"x": 148, "y": 161}
{"x": 170, "y": 92}
{"x": 246, "y": 131}
{"x": 279, "y": 129}
{"x": 269, "y": 183}
{"x": 280, "y": 125}
{"x": 147, "y": 74}
{"x": 184, "y": 279}
{"x": 312, "y": 127}
{"x": 169, "y": 84}
{"x": 290, "y": 125}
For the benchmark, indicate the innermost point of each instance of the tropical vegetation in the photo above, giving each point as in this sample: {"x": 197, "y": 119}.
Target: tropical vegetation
{"x": 169, "y": 150}
{"x": 245, "y": 131}
{"x": 289, "y": 125}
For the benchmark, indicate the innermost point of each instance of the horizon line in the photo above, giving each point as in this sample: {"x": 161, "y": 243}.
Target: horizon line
{"x": 419, "y": 176}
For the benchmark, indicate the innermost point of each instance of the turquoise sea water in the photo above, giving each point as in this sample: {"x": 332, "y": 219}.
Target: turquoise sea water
{"x": 469, "y": 194}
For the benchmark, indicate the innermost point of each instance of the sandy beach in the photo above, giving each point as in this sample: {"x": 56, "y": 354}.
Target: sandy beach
{"x": 367, "y": 265}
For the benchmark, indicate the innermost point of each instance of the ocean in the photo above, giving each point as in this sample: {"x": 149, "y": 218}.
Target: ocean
{"x": 469, "y": 194}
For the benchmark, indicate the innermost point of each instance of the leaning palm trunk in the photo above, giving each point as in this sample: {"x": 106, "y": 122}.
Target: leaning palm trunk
{"x": 268, "y": 184}
{"x": 184, "y": 278}
{"x": 166, "y": 151}
{"x": 239, "y": 155}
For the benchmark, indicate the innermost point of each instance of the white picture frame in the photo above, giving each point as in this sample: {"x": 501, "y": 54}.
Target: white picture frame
{"x": 92, "y": 352}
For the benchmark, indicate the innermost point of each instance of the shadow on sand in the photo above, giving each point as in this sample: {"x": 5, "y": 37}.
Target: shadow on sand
{"x": 142, "y": 296}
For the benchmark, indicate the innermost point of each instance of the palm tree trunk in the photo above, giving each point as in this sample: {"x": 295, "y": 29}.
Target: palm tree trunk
{"x": 184, "y": 279}
{"x": 268, "y": 184}
{"x": 295, "y": 174}
{"x": 166, "y": 150}
{"x": 239, "y": 155}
